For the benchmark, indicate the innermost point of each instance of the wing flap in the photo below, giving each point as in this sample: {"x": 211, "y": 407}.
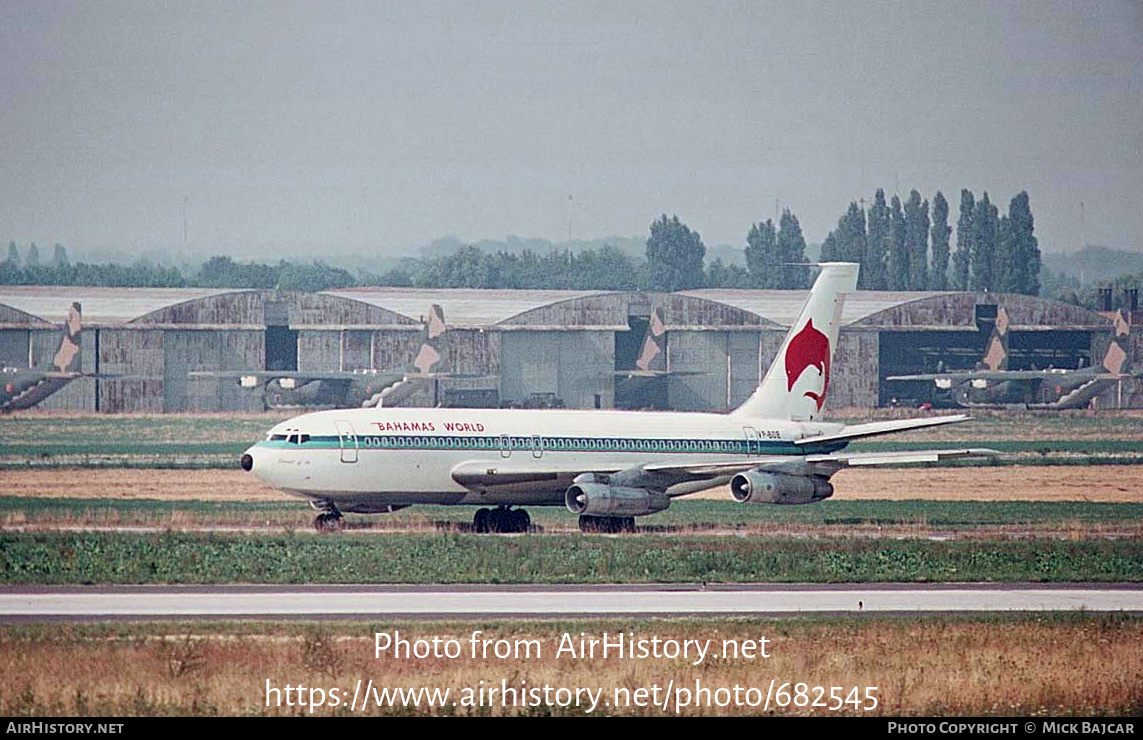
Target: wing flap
{"x": 902, "y": 457}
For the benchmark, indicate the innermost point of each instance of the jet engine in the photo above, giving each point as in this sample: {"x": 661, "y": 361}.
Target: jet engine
{"x": 756, "y": 487}
{"x": 600, "y": 499}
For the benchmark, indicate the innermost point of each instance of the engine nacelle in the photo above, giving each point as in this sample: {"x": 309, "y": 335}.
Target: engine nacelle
{"x": 600, "y": 499}
{"x": 755, "y": 487}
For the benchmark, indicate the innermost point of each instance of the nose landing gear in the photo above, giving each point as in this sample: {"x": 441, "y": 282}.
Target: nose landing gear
{"x": 329, "y": 520}
{"x": 501, "y": 519}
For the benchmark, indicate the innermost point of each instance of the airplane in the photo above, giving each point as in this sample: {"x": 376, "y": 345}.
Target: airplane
{"x": 993, "y": 385}
{"x": 23, "y": 388}
{"x": 288, "y": 389}
{"x": 638, "y": 384}
{"x": 606, "y": 466}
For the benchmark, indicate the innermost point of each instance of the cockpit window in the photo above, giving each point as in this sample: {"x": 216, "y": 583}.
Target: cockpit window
{"x": 276, "y": 437}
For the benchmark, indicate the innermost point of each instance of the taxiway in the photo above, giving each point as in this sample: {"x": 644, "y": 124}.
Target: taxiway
{"x": 35, "y": 603}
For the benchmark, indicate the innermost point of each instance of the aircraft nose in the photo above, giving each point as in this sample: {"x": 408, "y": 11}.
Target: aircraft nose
{"x": 247, "y": 462}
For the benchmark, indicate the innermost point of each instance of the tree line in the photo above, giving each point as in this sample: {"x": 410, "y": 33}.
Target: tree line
{"x": 906, "y": 246}
{"x": 217, "y": 272}
{"x": 900, "y": 246}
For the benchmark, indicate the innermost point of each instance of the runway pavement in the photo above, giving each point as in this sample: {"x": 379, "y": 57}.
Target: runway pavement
{"x": 36, "y": 603}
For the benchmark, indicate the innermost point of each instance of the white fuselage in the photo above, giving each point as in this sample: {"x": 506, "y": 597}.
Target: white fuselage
{"x": 402, "y": 456}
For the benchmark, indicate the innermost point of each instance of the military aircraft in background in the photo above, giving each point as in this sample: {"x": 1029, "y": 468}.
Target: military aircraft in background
{"x": 650, "y": 366}
{"x": 320, "y": 389}
{"x": 993, "y": 385}
{"x": 23, "y": 388}
{"x": 606, "y": 466}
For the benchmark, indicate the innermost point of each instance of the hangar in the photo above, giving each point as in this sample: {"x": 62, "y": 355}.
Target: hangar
{"x": 526, "y": 347}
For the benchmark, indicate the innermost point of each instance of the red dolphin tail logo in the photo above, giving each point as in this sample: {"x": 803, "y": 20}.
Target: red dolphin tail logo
{"x": 808, "y": 348}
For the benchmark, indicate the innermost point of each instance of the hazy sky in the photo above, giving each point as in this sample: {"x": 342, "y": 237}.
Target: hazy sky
{"x": 307, "y": 127}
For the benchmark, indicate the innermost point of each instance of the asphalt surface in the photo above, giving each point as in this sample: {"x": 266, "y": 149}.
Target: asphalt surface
{"x": 47, "y": 603}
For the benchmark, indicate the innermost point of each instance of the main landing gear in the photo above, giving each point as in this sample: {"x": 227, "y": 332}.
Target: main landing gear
{"x": 329, "y": 520}
{"x": 606, "y": 524}
{"x": 501, "y": 519}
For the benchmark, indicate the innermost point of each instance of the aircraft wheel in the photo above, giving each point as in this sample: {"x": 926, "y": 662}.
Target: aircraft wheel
{"x": 521, "y": 521}
{"x": 480, "y": 520}
{"x": 591, "y": 524}
{"x": 328, "y": 522}
{"x": 606, "y": 524}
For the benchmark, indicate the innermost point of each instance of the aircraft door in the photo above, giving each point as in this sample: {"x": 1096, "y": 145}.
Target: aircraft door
{"x": 537, "y": 446}
{"x": 348, "y": 441}
{"x": 753, "y": 443}
{"x": 505, "y": 446}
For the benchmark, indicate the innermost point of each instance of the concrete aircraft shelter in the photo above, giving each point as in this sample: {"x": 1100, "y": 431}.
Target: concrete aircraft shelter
{"x": 526, "y": 347}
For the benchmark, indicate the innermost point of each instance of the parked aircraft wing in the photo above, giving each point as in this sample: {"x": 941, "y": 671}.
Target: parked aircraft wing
{"x": 994, "y": 375}
{"x": 254, "y": 378}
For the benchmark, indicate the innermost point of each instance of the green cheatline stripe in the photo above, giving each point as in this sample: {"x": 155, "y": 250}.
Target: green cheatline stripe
{"x": 549, "y": 444}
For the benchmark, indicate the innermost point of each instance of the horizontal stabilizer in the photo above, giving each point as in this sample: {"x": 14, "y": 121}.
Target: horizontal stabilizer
{"x": 874, "y": 428}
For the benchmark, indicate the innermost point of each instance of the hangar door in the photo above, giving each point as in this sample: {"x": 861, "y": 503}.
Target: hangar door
{"x": 552, "y": 368}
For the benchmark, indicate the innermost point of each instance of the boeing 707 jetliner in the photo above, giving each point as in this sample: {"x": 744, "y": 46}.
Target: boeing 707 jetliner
{"x": 606, "y": 466}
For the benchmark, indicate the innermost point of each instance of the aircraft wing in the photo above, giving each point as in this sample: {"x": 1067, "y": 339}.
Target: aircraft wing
{"x": 476, "y": 475}
{"x": 824, "y": 464}
{"x": 658, "y": 373}
{"x": 254, "y": 378}
{"x": 993, "y": 375}
{"x": 874, "y": 428}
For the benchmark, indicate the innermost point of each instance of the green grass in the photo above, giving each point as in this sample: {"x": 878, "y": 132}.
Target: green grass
{"x": 959, "y": 516}
{"x": 463, "y": 558}
{"x": 214, "y": 441}
{"x": 217, "y": 440}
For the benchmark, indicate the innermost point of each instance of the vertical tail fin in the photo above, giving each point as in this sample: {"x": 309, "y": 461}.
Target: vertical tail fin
{"x": 996, "y": 351}
{"x": 67, "y": 356}
{"x": 430, "y": 358}
{"x": 795, "y": 385}
{"x": 651, "y": 355}
{"x": 1115, "y": 361}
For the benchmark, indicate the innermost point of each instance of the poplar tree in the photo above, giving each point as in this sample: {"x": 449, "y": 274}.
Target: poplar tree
{"x": 674, "y": 256}
{"x": 898, "y": 249}
{"x": 762, "y": 259}
{"x": 1003, "y": 271}
{"x": 962, "y": 259}
{"x": 831, "y": 246}
{"x": 917, "y": 241}
{"x": 939, "y": 236}
{"x": 874, "y": 272}
{"x": 792, "y": 248}
{"x": 1024, "y": 247}
{"x": 983, "y": 247}
{"x": 851, "y": 234}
